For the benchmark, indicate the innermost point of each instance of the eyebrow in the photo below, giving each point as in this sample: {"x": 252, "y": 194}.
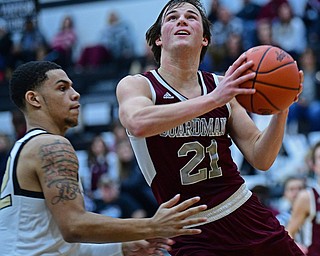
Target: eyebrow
{"x": 63, "y": 81}
{"x": 174, "y": 11}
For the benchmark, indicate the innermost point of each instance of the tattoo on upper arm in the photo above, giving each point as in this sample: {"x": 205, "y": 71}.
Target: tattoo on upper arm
{"x": 60, "y": 166}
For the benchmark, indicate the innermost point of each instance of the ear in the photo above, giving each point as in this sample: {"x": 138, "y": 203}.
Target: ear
{"x": 205, "y": 41}
{"x": 158, "y": 41}
{"x": 32, "y": 98}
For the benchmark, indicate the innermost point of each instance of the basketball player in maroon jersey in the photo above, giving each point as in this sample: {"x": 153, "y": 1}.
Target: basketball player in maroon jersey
{"x": 307, "y": 206}
{"x": 181, "y": 121}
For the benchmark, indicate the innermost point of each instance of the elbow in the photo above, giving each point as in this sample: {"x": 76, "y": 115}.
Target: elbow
{"x": 138, "y": 129}
{"x": 263, "y": 168}
{"x": 135, "y": 125}
{"x": 261, "y": 164}
{"x": 137, "y": 132}
{"x": 69, "y": 239}
{"x": 71, "y": 235}
{"x": 264, "y": 165}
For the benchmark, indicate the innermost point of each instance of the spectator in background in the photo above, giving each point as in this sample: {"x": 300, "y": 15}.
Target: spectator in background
{"x": 93, "y": 57}
{"x": 6, "y": 48}
{"x": 115, "y": 44}
{"x": 213, "y": 11}
{"x": 289, "y": 31}
{"x": 263, "y": 193}
{"x": 269, "y": 10}
{"x": 63, "y": 43}
{"x": 311, "y": 18}
{"x": 304, "y": 115}
{"x": 228, "y": 53}
{"x": 132, "y": 181}
{"x": 249, "y": 10}
{"x": 113, "y": 203}
{"x": 233, "y": 49}
{"x": 117, "y": 38}
{"x": 292, "y": 186}
{"x": 248, "y": 14}
{"x": 19, "y": 123}
{"x": 100, "y": 161}
{"x": 307, "y": 206}
{"x": 227, "y": 24}
{"x": 264, "y": 32}
{"x": 298, "y": 7}
{"x": 119, "y": 133}
{"x": 32, "y": 45}
{"x": 5, "y": 146}
{"x": 143, "y": 63}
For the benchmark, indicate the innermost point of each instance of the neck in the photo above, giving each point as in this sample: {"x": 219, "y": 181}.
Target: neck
{"x": 183, "y": 70}
{"x": 45, "y": 126}
{"x": 180, "y": 59}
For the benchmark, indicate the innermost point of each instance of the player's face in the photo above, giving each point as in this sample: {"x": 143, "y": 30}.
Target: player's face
{"x": 292, "y": 189}
{"x": 60, "y": 100}
{"x": 182, "y": 25}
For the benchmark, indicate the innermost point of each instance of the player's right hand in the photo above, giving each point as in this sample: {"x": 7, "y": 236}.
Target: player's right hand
{"x": 229, "y": 85}
{"x": 171, "y": 218}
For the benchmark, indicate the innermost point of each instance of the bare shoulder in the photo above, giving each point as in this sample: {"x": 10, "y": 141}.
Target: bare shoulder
{"x": 54, "y": 148}
{"x": 47, "y": 143}
{"x": 131, "y": 86}
{"x": 43, "y": 154}
{"x": 132, "y": 80}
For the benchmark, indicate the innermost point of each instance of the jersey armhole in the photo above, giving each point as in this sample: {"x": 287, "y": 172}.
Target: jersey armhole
{"x": 153, "y": 92}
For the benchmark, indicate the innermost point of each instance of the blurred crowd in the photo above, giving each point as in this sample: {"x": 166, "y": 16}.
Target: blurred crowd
{"x": 293, "y": 25}
{"x": 112, "y": 181}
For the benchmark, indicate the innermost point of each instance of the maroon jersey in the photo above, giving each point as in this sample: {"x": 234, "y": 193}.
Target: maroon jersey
{"x": 314, "y": 248}
{"x": 193, "y": 158}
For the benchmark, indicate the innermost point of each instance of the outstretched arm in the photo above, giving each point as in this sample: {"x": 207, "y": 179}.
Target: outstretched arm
{"x": 57, "y": 171}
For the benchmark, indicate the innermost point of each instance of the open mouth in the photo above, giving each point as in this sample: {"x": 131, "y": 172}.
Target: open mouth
{"x": 182, "y": 32}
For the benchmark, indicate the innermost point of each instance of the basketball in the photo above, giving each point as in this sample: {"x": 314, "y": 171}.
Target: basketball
{"x": 277, "y": 81}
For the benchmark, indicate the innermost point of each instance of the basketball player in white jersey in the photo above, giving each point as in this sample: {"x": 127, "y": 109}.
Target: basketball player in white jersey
{"x": 41, "y": 203}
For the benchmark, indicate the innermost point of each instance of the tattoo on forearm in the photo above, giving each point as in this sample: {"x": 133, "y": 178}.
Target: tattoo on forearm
{"x": 60, "y": 166}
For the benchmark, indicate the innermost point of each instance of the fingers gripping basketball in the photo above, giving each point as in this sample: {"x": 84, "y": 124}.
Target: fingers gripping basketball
{"x": 277, "y": 81}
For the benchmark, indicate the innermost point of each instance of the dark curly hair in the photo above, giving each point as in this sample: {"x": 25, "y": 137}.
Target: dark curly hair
{"x": 154, "y": 31}
{"x": 29, "y": 76}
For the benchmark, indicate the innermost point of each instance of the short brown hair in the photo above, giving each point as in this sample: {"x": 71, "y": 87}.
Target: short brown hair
{"x": 154, "y": 31}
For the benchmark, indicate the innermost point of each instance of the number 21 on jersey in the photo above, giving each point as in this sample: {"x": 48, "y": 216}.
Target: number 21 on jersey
{"x": 202, "y": 174}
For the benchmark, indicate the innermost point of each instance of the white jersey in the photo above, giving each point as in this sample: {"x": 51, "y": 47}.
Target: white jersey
{"x": 26, "y": 224}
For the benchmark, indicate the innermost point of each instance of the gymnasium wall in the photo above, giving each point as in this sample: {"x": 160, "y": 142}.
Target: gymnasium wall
{"x": 90, "y": 19}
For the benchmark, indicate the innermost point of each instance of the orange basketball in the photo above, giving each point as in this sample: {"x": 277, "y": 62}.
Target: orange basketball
{"x": 277, "y": 80}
